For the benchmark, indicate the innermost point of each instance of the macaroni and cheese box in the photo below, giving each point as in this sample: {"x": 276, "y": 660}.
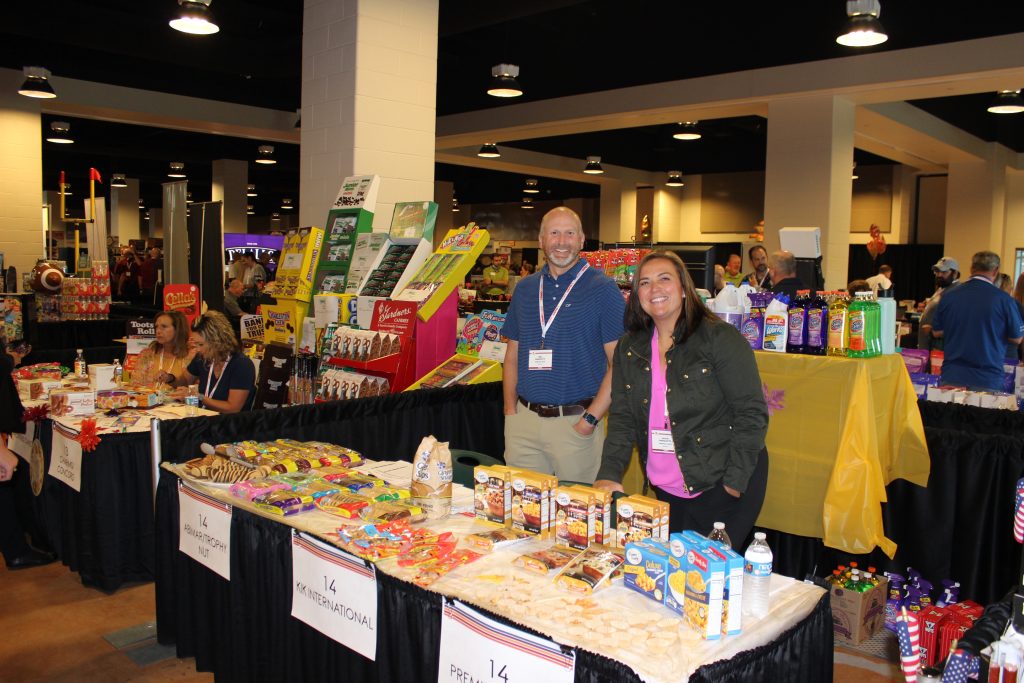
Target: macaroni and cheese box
{"x": 638, "y": 518}
{"x": 492, "y": 493}
{"x": 732, "y": 596}
{"x": 648, "y": 564}
{"x": 531, "y": 501}
{"x": 604, "y": 532}
{"x": 574, "y": 517}
{"x": 696, "y": 590}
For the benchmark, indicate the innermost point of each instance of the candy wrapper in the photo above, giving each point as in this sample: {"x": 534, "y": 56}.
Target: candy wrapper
{"x": 432, "y": 477}
{"x": 431, "y": 571}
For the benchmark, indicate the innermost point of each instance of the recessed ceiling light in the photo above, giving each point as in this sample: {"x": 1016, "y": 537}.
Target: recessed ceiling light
{"x": 36, "y": 83}
{"x": 250, "y": 191}
{"x": 503, "y": 81}
{"x": 531, "y": 186}
{"x": 675, "y": 179}
{"x": 60, "y": 132}
{"x": 1007, "y": 102}
{"x": 177, "y": 170}
{"x": 249, "y": 210}
{"x": 188, "y": 197}
{"x": 489, "y": 150}
{"x": 286, "y": 204}
{"x": 593, "y": 166}
{"x": 527, "y": 203}
{"x": 863, "y": 29}
{"x": 687, "y": 131}
{"x": 265, "y": 155}
{"x": 142, "y": 204}
{"x": 118, "y": 180}
{"x": 275, "y": 216}
{"x": 195, "y": 17}
{"x": 67, "y": 189}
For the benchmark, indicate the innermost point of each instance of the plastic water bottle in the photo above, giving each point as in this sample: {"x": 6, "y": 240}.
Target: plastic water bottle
{"x": 81, "y": 369}
{"x": 192, "y": 400}
{"x": 757, "y": 576}
{"x": 118, "y": 373}
{"x": 887, "y": 326}
{"x": 718, "y": 534}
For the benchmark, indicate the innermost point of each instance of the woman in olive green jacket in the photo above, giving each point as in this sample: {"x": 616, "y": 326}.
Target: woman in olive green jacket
{"x": 686, "y": 391}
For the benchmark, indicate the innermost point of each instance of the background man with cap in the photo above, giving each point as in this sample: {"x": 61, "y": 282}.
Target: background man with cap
{"x": 977, "y": 319}
{"x": 947, "y": 276}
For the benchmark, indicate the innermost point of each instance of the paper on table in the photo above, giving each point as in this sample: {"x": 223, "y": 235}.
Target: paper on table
{"x": 396, "y": 473}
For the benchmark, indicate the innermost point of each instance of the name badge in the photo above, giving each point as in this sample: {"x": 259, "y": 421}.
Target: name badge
{"x": 661, "y": 441}
{"x": 541, "y": 359}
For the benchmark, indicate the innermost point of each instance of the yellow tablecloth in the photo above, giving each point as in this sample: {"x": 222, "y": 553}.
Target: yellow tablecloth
{"x": 840, "y": 430}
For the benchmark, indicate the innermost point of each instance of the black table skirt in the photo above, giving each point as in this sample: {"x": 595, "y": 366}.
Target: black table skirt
{"x": 242, "y": 630}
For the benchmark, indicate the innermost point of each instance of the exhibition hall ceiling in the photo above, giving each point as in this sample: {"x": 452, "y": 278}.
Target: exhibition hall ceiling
{"x": 563, "y": 47}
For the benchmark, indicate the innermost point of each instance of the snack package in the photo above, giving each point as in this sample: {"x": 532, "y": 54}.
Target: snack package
{"x": 345, "y": 505}
{"x": 638, "y": 518}
{"x": 284, "y": 502}
{"x": 604, "y": 532}
{"x": 545, "y": 561}
{"x": 589, "y": 570}
{"x": 531, "y": 501}
{"x": 432, "y": 477}
{"x": 647, "y": 566}
{"x": 575, "y": 514}
{"x": 487, "y": 541}
{"x": 492, "y": 493}
{"x": 247, "y": 490}
{"x": 432, "y": 570}
{"x": 379, "y": 513}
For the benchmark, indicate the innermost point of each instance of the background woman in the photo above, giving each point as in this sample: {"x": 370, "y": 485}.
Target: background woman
{"x": 225, "y": 376}
{"x": 169, "y": 355}
{"x": 686, "y": 391}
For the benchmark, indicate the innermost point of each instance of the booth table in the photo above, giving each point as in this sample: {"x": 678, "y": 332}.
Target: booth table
{"x": 242, "y": 629}
{"x": 840, "y": 430}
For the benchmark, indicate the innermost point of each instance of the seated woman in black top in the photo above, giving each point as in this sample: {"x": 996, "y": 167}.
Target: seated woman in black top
{"x": 225, "y": 376}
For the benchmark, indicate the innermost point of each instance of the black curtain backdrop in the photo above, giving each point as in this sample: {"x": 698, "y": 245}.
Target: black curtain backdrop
{"x": 911, "y": 267}
{"x": 241, "y": 630}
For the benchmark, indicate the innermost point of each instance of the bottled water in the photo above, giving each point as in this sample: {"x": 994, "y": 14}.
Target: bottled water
{"x": 192, "y": 400}
{"x": 718, "y": 534}
{"x": 81, "y": 369}
{"x": 118, "y": 372}
{"x": 757, "y": 576}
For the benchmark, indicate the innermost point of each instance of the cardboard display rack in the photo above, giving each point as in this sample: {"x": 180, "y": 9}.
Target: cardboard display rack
{"x": 338, "y": 251}
{"x": 460, "y": 369}
{"x": 445, "y": 270}
{"x": 299, "y": 257}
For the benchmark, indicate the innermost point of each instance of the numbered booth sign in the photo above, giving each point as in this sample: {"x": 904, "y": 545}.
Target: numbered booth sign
{"x": 204, "y": 529}
{"x": 475, "y": 648}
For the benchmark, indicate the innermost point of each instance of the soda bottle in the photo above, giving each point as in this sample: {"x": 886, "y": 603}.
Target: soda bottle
{"x": 81, "y": 369}
{"x": 858, "y": 321}
{"x": 798, "y": 322}
{"x": 817, "y": 325}
{"x": 718, "y": 534}
{"x": 874, "y": 328}
{"x": 887, "y": 321}
{"x": 838, "y": 325}
{"x": 757, "y": 576}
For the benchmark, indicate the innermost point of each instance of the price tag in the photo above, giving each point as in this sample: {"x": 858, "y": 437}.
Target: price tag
{"x": 493, "y": 350}
{"x": 334, "y": 593}
{"x": 475, "y": 648}
{"x": 204, "y": 530}
{"x": 22, "y": 443}
{"x": 66, "y": 459}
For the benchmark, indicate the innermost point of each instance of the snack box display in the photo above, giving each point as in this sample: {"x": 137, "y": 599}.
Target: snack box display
{"x": 547, "y": 560}
{"x": 445, "y": 270}
{"x": 697, "y": 588}
{"x": 492, "y": 493}
{"x": 460, "y": 369}
{"x": 531, "y": 501}
{"x": 575, "y": 517}
{"x": 299, "y": 256}
{"x": 249, "y": 489}
{"x": 648, "y": 564}
{"x": 282, "y": 322}
{"x": 604, "y": 531}
{"x": 383, "y": 279}
{"x": 72, "y": 402}
{"x": 638, "y": 518}
{"x": 589, "y": 570}
{"x": 284, "y": 502}
{"x": 35, "y": 388}
{"x": 857, "y": 616}
{"x": 493, "y": 539}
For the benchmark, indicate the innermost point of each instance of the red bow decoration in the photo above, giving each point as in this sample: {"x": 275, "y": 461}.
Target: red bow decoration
{"x": 87, "y": 435}
{"x": 36, "y": 413}
{"x": 876, "y": 247}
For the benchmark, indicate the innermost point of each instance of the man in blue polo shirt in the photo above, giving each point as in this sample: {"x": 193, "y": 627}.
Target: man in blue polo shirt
{"x": 562, "y": 325}
{"x": 976, "y": 320}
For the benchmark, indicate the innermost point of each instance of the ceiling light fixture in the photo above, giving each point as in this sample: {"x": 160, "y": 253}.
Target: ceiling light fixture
{"x": 287, "y": 204}
{"x": 36, "y": 83}
{"x": 593, "y": 166}
{"x": 188, "y": 197}
{"x": 531, "y": 186}
{"x": 455, "y": 205}
{"x": 275, "y": 216}
{"x": 527, "y": 203}
{"x": 146, "y": 215}
{"x": 195, "y": 17}
{"x": 687, "y": 131}
{"x": 118, "y": 180}
{"x": 250, "y": 190}
{"x": 60, "y": 133}
{"x": 265, "y": 155}
{"x": 249, "y": 210}
{"x": 863, "y": 29}
{"x": 503, "y": 81}
{"x": 1007, "y": 102}
{"x": 67, "y": 189}
{"x": 142, "y": 204}
{"x": 177, "y": 170}
{"x": 489, "y": 150}
{"x": 675, "y": 179}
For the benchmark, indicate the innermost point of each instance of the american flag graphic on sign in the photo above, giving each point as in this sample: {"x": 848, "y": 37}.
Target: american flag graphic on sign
{"x": 960, "y": 665}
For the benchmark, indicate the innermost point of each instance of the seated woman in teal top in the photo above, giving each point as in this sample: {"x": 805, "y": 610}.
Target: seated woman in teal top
{"x": 225, "y": 376}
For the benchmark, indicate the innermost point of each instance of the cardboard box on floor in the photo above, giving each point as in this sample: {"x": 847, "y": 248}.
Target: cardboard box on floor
{"x": 858, "y": 616}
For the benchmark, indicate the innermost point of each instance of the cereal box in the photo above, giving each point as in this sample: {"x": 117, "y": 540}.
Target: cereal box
{"x": 604, "y": 532}
{"x": 648, "y": 564}
{"x": 574, "y": 517}
{"x": 493, "y": 493}
{"x": 638, "y": 518}
{"x": 531, "y": 501}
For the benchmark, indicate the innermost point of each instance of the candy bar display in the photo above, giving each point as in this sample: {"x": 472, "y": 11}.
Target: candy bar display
{"x": 460, "y": 369}
{"x": 618, "y": 264}
{"x": 445, "y": 270}
{"x": 349, "y": 343}
{"x": 86, "y": 298}
{"x": 383, "y": 279}
{"x": 336, "y": 256}
{"x": 342, "y": 385}
{"x": 299, "y": 257}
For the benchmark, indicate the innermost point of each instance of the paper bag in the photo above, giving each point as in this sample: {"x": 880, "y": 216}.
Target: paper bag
{"x": 431, "y": 485}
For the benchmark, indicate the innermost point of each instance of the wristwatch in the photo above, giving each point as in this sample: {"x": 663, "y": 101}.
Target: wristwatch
{"x": 589, "y": 419}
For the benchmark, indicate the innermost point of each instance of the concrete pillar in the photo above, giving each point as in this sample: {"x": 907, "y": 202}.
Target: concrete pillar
{"x": 807, "y": 176}
{"x": 21, "y": 175}
{"x": 976, "y": 206}
{"x": 230, "y": 177}
{"x": 124, "y": 211}
{"x": 369, "y": 81}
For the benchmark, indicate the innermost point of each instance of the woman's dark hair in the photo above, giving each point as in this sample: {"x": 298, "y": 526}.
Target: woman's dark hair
{"x": 694, "y": 310}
